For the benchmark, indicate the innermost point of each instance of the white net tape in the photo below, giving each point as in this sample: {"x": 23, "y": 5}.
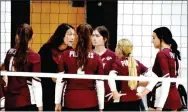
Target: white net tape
{"x": 90, "y": 76}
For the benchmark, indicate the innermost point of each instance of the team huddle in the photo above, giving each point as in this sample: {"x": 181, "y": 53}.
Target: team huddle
{"x": 84, "y": 50}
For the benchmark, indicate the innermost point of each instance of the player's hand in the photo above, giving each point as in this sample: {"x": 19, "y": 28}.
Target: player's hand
{"x": 140, "y": 95}
{"x": 40, "y": 108}
{"x": 54, "y": 80}
{"x": 142, "y": 92}
{"x": 158, "y": 109}
{"x": 116, "y": 95}
{"x": 100, "y": 110}
{"x": 109, "y": 95}
{"x": 58, "y": 107}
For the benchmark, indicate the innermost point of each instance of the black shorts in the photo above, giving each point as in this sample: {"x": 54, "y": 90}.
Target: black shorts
{"x": 82, "y": 109}
{"x": 24, "y": 108}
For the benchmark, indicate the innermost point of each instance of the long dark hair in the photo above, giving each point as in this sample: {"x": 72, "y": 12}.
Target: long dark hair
{"x": 104, "y": 32}
{"x": 25, "y": 33}
{"x": 163, "y": 33}
{"x": 84, "y": 45}
{"x": 58, "y": 37}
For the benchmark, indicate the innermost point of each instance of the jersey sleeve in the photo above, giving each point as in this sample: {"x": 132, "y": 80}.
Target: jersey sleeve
{"x": 37, "y": 65}
{"x": 116, "y": 66}
{"x": 143, "y": 69}
{"x": 163, "y": 63}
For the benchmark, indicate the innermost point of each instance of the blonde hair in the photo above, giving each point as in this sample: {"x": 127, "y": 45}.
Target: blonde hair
{"x": 126, "y": 46}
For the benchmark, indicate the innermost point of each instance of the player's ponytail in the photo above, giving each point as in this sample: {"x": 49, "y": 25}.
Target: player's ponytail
{"x": 175, "y": 50}
{"x": 83, "y": 45}
{"x": 132, "y": 71}
{"x": 127, "y": 48}
{"x": 24, "y": 33}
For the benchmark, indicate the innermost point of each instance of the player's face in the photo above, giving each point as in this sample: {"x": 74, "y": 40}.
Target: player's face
{"x": 69, "y": 37}
{"x": 97, "y": 39}
{"x": 155, "y": 40}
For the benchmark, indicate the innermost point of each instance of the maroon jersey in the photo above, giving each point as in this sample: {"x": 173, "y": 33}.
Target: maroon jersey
{"x": 121, "y": 66}
{"x": 1, "y": 92}
{"x": 108, "y": 57}
{"x": 80, "y": 93}
{"x": 166, "y": 65}
{"x": 49, "y": 64}
{"x": 2, "y": 98}
{"x": 18, "y": 94}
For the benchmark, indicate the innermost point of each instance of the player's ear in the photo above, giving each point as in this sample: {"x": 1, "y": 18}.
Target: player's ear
{"x": 105, "y": 39}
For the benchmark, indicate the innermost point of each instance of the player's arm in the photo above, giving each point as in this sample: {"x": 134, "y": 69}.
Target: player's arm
{"x": 111, "y": 81}
{"x": 164, "y": 89}
{"x": 100, "y": 86}
{"x": 36, "y": 85}
{"x": 59, "y": 85}
{"x": 143, "y": 72}
{"x": 58, "y": 92}
{"x": 148, "y": 87}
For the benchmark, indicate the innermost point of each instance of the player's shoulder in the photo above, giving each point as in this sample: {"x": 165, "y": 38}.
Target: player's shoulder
{"x": 110, "y": 53}
{"x": 95, "y": 55}
{"x": 11, "y": 51}
{"x": 33, "y": 56}
{"x": 68, "y": 51}
{"x": 119, "y": 60}
{"x": 163, "y": 53}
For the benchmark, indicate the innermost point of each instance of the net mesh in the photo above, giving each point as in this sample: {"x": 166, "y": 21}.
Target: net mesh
{"x": 137, "y": 20}
{"x": 5, "y": 28}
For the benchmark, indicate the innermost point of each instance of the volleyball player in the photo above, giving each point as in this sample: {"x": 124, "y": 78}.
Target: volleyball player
{"x": 61, "y": 40}
{"x": 80, "y": 94}
{"x": 165, "y": 95}
{"x": 22, "y": 59}
{"x": 128, "y": 99}
{"x": 100, "y": 38}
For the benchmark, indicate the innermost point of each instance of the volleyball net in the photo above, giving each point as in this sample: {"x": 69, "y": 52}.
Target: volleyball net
{"x": 90, "y": 76}
{"x": 136, "y": 21}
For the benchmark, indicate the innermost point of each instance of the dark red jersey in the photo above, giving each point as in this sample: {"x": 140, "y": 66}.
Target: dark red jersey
{"x": 166, "y": 66}
{"x": 121, "y": 66}
{"x": 1, "y": 92}
{"x": 18, "y": 93}
{"x": 108, "y": 57}
{"x": 49, "y": 64}
{"x": 80, "y": 93}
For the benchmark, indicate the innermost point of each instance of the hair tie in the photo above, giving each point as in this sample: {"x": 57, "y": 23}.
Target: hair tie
{"x": 129, "y": 54}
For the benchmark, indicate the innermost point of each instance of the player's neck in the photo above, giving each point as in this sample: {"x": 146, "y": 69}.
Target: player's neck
{"x": 165, "y": 46}
{"x": 100, "y": 49}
